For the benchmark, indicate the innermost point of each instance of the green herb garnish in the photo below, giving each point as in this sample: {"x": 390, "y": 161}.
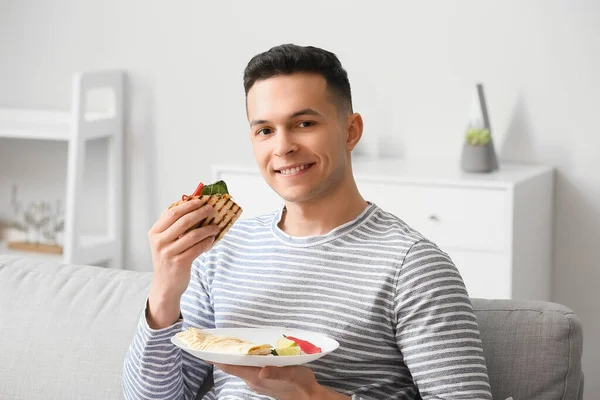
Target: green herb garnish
{"x": 219, "y": 187}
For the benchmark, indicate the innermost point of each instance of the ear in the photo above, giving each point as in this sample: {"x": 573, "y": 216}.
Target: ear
{"x": 354, "y": 131}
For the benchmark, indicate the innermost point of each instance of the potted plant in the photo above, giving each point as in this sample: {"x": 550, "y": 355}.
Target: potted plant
{"x": 478, "y": 153}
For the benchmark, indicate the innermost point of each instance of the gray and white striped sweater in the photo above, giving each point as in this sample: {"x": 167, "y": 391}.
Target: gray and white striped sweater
{"x": 392, "y": 299}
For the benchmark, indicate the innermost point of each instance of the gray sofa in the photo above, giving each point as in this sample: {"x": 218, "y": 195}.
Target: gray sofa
{"x": 64, "y": 331}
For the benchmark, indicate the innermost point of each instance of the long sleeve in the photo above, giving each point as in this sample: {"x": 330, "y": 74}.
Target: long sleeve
{"x": 154, "y": 368}
{"x": 436, "y": 328}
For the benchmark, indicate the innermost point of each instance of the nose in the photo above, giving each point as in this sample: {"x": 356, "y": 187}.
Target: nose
{"x": 285, "y": 143}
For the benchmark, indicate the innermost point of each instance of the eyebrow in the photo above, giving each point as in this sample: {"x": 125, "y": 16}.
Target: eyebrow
{"x": 305, "y": 111}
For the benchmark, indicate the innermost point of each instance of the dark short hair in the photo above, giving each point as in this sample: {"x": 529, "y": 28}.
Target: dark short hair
{"x": 288, "y": 59}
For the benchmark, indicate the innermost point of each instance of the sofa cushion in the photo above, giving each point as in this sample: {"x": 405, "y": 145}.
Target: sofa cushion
{"x": 66, "y": 329}
{"x": 532, "y": 349}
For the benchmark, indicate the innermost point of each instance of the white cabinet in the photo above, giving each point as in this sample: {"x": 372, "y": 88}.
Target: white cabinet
{"x": 497, "y": 227}
{"x": 96, "y": 113}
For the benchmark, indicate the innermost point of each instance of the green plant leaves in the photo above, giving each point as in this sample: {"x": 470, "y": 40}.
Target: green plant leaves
{"x": 219, "y": 187}
{"x": 478, "y": 136}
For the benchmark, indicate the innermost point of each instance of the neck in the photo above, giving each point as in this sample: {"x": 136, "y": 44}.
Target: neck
{"x": 324, "y": 213}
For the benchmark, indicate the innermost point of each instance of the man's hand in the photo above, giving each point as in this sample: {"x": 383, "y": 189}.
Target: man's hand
{"x": 173, "y": 252}
{"x": 283, "y": 383}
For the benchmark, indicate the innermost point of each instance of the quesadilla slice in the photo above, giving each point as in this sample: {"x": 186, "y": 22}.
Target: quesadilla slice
{"x": 217, "y": 196}
{"x": 198, "y": 340}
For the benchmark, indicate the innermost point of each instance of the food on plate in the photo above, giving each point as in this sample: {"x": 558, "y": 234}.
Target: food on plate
{"x": 286, "y": 347}
{"x": 306, "y": 346}
{"x": 217, "y": 196}
{"x": 198, "y": 339}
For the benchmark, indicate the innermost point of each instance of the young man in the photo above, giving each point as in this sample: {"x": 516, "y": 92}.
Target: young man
{"x": 328, "y": 261}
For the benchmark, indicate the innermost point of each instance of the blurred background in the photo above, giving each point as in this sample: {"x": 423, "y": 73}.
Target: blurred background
{"x": 412, "y": 66}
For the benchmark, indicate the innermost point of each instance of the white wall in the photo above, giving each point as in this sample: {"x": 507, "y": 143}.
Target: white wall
{"x": 412, "y": 66}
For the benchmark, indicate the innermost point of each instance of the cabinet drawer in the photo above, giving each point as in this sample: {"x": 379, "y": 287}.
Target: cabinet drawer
{"x": 462, "y": 218}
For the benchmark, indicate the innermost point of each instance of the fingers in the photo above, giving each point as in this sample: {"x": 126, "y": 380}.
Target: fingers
{"x": 285, "y": 374}
{"x": 191, "y": 253}
{"x": 182, "y": 252}
{"x": 248, "y": 374}
{"x": 299, "y": 377}
{"x": 173, "y": 214}
{"x": 194, "y": 238}
{"x": 291, "y": 374}
{"x": 277, "y": 381}
{"x": 268, "y": 373}
{"x": 185, "y": 222}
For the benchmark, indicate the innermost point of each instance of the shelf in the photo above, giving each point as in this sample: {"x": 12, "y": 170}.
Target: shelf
{"x": 91, "y": 247}
{"x": 35, "y": 124}
{"x": 95, "y": 112}
{"x": 40, "y": 124}
{"x": 4, "y": 250}
{"x": 445, "y": 173}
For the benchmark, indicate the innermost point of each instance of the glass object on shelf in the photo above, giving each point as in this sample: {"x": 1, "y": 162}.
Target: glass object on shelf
{"x": 38, "y": 223}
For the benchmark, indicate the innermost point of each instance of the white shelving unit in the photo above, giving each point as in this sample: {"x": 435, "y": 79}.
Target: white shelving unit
{"x": 96, "y": 113}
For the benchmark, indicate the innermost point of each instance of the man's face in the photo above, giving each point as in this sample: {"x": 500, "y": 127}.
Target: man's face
{"x": 298, "y": 136}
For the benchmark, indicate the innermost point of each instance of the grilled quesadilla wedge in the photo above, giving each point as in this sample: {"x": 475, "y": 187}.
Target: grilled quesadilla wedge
{"x": 198, "y": 340}
{"x": 217, "y": 196}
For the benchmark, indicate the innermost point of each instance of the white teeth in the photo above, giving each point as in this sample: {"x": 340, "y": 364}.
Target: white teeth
{"x": 294, "y": 170}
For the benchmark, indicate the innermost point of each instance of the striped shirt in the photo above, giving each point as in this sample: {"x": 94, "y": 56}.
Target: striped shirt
{"x": 393, "y": 300}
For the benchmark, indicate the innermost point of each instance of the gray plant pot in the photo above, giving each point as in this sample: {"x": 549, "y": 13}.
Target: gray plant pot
{"x": 478, "y": 158}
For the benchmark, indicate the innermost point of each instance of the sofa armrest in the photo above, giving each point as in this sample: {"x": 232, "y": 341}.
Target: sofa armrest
{"x": 532, "y": 349}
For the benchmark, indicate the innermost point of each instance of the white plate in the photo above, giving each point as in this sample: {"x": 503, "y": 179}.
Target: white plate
{"x": 263, "y": 336}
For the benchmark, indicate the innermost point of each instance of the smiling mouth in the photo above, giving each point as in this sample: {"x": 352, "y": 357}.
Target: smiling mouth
{"x": 295, "y": 170}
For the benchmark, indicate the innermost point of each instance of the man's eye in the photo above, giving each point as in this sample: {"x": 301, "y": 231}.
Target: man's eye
{"x": 264, "y": 132}
{"x": 305, "y": 124}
